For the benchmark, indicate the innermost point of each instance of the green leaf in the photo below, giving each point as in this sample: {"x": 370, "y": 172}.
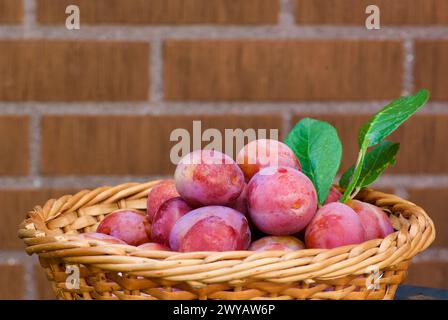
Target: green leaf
{"x": 391, "y": 117}
{"x": 375, "y": 162}
{"x": 378, "y": 128}
{"x": 318, "y": 148}
{"x": 346, "y": 177}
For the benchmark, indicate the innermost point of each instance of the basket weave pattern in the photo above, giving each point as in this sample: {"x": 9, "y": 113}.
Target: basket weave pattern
{"x": 112, "y": 271}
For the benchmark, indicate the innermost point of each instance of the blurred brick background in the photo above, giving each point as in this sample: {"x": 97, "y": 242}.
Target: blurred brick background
{"x": 95, "y": 106}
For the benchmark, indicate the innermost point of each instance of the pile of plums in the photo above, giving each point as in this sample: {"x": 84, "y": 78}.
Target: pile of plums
{"x": 261, "y": 201}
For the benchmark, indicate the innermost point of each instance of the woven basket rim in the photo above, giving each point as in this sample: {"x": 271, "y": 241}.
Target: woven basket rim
{"x": 44, "y": 232}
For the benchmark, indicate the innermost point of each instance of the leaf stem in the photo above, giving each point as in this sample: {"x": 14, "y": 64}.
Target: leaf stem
{"x": 356, "y": 174}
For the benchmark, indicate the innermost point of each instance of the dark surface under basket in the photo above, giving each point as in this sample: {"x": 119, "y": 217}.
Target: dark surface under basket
{"x": 405, "y": 292}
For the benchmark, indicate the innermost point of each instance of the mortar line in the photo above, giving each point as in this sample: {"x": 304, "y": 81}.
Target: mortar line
{"x": 432, "y": 255}
{"x": 417, "y": 181}
{"x": 408, "y": 66}
{"x": 13, "y": 257}
{"x": 35, "y": 147}
{"x": 29, "y": 17}
{"x": 189, "y": 107}
{"x": 402, "y": 192}
{"x": 286, "y": 13}
{"x": 156, "y": 71}
{"x": 286, "y": 123}
{"x": 268, "y": 32}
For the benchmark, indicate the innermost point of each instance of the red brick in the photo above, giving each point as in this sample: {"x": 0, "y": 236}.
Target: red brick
{"x": 12, "y": 282}
{"x": 428, "y": 274}
{"x": 352, "y": 12}
{"x": 431, "y": 67}
{"x": 433, "y": 200}
{"x": 282, "y": 70}
{"x": 15, "y": 206}
{"x": 14, "y": 151}
{"x": 243, "y": 12}
{"x": 11, "y": 11}
{"x": 53, "y": 70}
{"x": 127, "y": 145}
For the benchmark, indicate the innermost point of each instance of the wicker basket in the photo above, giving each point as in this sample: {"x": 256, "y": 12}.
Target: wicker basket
{"x": 111, "y": 271}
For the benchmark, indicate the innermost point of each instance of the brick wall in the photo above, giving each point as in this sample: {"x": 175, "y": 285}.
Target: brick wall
{"x": 95, "y": 106}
